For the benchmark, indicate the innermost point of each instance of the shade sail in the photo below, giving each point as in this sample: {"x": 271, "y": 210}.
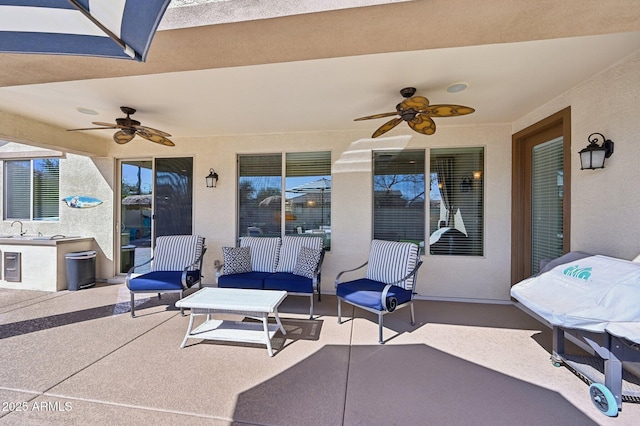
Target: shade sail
{"x": 104, "y": 28}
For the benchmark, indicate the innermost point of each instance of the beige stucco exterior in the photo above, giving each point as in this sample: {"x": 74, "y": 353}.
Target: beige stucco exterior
{"x": 604, "y": 218}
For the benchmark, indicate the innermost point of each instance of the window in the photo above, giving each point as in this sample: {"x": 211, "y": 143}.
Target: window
{"x": 399, "y": 195}
{"x": 456, "y": 220}
{"x": 31, "y": 189}
{"x": 305, "y": 180}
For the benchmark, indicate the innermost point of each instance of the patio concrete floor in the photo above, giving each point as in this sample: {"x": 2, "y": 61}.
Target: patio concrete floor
{"x": 79, "y": 358}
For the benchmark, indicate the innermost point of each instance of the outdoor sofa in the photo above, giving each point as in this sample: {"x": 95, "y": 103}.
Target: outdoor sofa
{"x": 292, "y": 263}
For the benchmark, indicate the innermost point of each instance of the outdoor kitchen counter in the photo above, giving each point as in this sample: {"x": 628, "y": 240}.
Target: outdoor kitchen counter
{"x": 39, "y": 260}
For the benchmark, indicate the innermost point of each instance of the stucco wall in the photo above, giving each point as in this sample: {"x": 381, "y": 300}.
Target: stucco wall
{"x": 79, "y": 175}
{"x": 603, "y": 218}
{"x": 461, "y": 277}
{"x": 605, "y": 202}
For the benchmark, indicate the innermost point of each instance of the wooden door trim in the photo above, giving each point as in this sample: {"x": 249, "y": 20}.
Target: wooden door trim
{"x": 521, "y": 194}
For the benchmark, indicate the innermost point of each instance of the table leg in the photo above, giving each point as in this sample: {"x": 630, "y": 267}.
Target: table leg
{"x": 186, "y": 336}
{"x": 265, "y": 324}
{"x": 275, "y": 312}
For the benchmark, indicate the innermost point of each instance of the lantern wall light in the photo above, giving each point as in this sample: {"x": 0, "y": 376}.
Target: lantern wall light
{"x": 212, "y": 179}
{"x": 593, "y": 156}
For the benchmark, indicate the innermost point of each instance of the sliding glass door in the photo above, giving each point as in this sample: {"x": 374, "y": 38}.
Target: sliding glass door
{"x": 156, "y": 198}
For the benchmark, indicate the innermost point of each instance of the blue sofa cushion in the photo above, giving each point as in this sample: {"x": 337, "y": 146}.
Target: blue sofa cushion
{"x": 157, "y": 281}
{"x": 288, "y": 282}
{"x": 366, "y": 292}
{"x": 251, "y": 280}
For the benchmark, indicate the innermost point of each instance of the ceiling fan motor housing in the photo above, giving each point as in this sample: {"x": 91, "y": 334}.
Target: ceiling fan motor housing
{"x": 408, "y": 92}
{"x": 127, "y": 122}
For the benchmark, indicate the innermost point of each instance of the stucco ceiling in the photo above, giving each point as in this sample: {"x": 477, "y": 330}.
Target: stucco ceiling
{"x": 318, "y": 71}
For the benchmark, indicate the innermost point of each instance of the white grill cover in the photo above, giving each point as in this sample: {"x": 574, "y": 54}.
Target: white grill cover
{"x": 595, "y": 293}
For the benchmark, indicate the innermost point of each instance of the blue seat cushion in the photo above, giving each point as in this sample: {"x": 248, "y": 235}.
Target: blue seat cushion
{"x": 288, "y": 282}
{"x": 251, "y": 280}
{"x": 367, "y": 293}
{"x": 157, "y": 281}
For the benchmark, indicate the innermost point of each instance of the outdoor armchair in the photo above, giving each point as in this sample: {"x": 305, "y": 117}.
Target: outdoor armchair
{"x": 389, "y": 282}
{"x": 176, "y": 265}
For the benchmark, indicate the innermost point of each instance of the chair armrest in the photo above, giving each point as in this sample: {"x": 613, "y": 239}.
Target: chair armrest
{"x": 337, "y": 282}
{"x": 409, "y": 275}
{"x": 390, "y": 305}
{"x": 317, "y": 274}
{"x": 131, "y": 270}
{"x": 195, "y": 266}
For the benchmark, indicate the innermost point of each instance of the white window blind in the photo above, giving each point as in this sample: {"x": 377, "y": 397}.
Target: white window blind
{"x": 307, "y": 207}
{"x": 259, "y": 194}
{"x": 31, "y": 189}
{"x": 399, "y": 195}
{"x": 286, "y": 193}
{"x": 456, "y": 210}
{"x": 17, "y": 189}
{"x": 547, "y": 184}
{"x": 46, "y": 189}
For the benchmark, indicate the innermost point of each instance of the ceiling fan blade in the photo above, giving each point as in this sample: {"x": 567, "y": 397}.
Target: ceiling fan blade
{"x": 121, "y": 137}
{"x": 109, "y": 125}
{"x": 384, "y": 114}
{"x": 448, "y": 110}
{"x": 151, "y": 130}
{"x": 91, "y": 128}
{"x": 422, "y": 123}
{"x": 154, "y": 137}
{"x": 417, "y": 103}
{"x": 386, "y": 127}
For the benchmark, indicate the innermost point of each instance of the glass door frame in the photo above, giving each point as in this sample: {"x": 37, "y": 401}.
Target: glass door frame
{"x": 118, "y": 228}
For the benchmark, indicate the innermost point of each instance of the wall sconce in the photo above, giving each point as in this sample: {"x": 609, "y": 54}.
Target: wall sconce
{"x": 592, "y": 157}
{"x": 212, "y": 179}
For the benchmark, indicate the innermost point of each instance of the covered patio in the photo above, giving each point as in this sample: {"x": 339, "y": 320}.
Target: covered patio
{"x": 78, "y": 358}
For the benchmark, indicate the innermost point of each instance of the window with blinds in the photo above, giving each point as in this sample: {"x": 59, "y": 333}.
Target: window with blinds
{"x": 285, "y": 194}
{"x": 399, "y": 195}
{"x": 32, "y": 189}
{"x": 456, "y": 201}
{"x": 547, "y": 185}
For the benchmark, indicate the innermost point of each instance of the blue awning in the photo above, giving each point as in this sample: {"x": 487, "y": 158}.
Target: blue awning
{"x": 104, "y": 28}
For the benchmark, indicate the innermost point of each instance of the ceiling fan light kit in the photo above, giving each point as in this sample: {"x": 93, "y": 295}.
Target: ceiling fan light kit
{"x": 417, "y": 112}
{"x": 128, "y": 128}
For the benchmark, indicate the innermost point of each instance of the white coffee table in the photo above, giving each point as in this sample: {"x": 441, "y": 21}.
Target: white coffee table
{"x": 256, "y": 304}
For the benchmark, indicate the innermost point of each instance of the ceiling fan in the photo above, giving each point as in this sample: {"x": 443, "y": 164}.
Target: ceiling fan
{"x": 129, "y": 128}
{"x": 417, "y": 112}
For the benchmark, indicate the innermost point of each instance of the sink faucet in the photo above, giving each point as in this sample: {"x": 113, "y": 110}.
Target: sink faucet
{"x": 21, "y": 231}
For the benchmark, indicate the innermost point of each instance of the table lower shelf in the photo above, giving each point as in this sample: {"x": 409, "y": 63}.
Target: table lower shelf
{"x": 234, "y": 331}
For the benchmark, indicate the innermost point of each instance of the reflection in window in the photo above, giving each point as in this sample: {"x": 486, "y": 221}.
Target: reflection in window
{"x": 456, "y": 201}
{"x": 399, "y": 195}
{"x": 303, "y": 178}
{"x": 32, "y": 189}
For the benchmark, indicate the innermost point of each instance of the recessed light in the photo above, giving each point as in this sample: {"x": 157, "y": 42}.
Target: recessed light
{"x": 457, "y": 87}
{"x": 87, "y": 111}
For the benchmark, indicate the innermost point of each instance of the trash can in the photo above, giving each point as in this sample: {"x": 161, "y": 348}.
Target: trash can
{"x": 127, "y": 257}
{"x": 81, "y": 269}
